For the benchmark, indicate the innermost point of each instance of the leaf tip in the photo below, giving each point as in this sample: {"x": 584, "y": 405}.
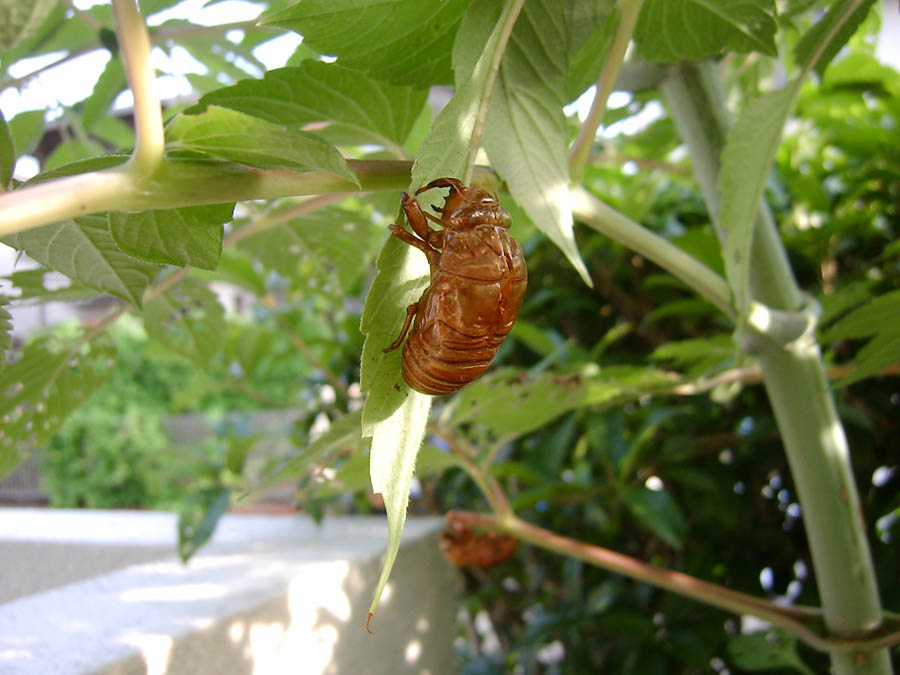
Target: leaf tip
{"x": 368, "y": 622}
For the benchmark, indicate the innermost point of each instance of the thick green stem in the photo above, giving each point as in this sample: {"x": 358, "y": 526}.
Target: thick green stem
{"x": 597, "y": 215}
{"x": 629, "y": 10}
{"x": 811, "y": 430}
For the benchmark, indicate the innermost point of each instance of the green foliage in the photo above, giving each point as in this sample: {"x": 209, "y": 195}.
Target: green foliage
{"x": 21, "y": 20}
{"x": 188, "y": 236}
{"x": 227, "y": 134}
{"x": 43, "y": 386}
{"x": 84, "y": 250}
{"x": 404, "y": 42}
{"x": 7, "y": 154}
{"x": 358, "y": 108}
{"x": 674, "y": 30}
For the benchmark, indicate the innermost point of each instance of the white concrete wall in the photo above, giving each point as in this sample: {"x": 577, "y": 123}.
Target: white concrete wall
{"x": 270, "y": 594}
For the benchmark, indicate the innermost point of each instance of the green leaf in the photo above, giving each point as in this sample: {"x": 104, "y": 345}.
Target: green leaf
{"x": 219, "y": 132}
{"x": 658, "y": 512}
{"x": 343, "y": 433}
{"x": 394, "y": 415}
{"x": 587, "y": 62}
{"x": 188, "y": 319}
{"x": 829, "y": 34}
{"x": 333, "y": 246}
{"x": 198, "y": 517}
{"x": 187, "y": 236}
{"x": 40, "y": 390}
{"x": 746, "y": 162}
{"x": 5, "y": 330}
{"x": 19, "y": 20}
{"x": 508, "y": 401}
{"x": 877, "y": 319}
{"x": 80, "y": 166}
{"x": 84, "y": 250}
{"x": 432, "y": 460}
{"x": 697, "y": 355}
{"x": 400, "y": 279}
{"x": 33, "y": 289}
{"x": 7, "y": 154}
{"x": 359, "y": 109}
{"x": 111, "y": 81}
{"x": 683, "y": 30}
{"x": 876, "y": 316}
{"x": 392, "y": 461}
{"x": 26, "y": 129}
{"x": 448, "y": 149}
{"x": 73, "y": 150}
{"x": 766, "y": 650}
{"x": 39, "y": 42}
{"x": 525, "y": 133}
{"x": 405, "y": 41}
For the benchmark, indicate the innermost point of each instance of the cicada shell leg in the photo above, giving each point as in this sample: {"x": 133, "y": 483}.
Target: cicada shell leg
{"x": 410, "y": 315}
{"x": 452, "y": 183}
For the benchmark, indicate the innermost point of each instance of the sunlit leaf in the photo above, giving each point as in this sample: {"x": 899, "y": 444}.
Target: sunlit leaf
{"x": 392, "y": 461}
{"x": 525, "y": 133}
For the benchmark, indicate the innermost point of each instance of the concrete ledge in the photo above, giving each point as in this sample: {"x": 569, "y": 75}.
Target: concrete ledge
{"x": 270, "y": 594}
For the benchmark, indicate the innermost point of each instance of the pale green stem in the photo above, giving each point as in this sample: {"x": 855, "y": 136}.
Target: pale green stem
{"x": 597, "y": 215}
{"x": 581, "y": 149}
{"x": 134, "y": 42}
{"x": 176, "y": 184}
{"x": 811, "y": 430}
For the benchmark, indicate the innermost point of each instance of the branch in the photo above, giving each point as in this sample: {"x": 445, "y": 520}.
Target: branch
{"x": 791, "y": 619}
{"x": 630, "y": 9}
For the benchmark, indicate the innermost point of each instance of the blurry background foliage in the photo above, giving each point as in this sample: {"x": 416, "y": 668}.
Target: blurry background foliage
{"x": 694, "y": 483}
